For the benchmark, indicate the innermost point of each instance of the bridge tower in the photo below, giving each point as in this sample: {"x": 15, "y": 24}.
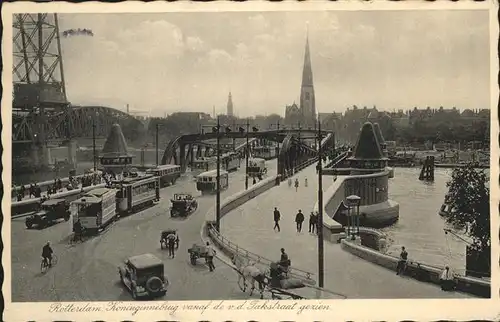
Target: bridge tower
{"x": 39, "y": 89}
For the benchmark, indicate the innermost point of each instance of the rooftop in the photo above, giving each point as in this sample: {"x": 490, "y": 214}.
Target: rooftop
{"x": 144, "y": 261}
{"x": 368, "y": 146}
{"x": 115, "y": 145}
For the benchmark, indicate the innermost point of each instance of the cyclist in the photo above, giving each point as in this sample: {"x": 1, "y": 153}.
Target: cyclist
{"x": 47, "y": 254}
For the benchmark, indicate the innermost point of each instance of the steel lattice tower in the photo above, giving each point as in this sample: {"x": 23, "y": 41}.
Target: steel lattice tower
{"x": 39, "y": 88}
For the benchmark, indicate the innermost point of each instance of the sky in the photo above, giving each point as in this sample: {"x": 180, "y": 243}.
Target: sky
{"x": 166, "y": 62}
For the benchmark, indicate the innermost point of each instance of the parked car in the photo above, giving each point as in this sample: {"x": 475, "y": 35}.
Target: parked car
{"x": 144, "y": 276}
{"x": 50, "y": 211}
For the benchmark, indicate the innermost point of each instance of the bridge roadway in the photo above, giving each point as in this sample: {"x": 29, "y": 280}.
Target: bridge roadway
{"x": 88, "y": 271}
{"x": 251, "y": 227}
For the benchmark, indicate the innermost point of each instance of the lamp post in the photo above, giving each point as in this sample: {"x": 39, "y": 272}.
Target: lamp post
{"x": 278, "y": 148}
{"x": 93, "y": 145}
{"x": 321, "y": 261}
{"x": 217, "y": 199}
{"x": 353, "y": 202}
{"x": 156, "y": 143}
{"x": 246, "y": 158}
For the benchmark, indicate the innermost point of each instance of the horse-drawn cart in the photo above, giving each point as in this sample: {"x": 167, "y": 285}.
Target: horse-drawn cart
{"x": 197, "y": 251}
{"x": 276, "y": 280}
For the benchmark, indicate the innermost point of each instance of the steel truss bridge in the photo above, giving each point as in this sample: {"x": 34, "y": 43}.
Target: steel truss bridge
{"x": 293, "y": 149}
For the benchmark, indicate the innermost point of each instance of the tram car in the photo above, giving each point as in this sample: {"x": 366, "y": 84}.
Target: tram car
{"x": 134, "y": 193}
{"x": 265, "y": 152}
{"x": 206, "y": 182}
{"x": 230, "y": 161}
{"x": 203, "y": 164}
{"x": 256, "y": 168}
{"x": 95, "y": 210}
{"x": 168, "y": 173}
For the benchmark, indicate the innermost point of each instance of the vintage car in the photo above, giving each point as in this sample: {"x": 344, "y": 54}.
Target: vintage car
{"x": 144, "y": 276}
{"x": 182, "y": 205}
{"x": 50, "y": 211}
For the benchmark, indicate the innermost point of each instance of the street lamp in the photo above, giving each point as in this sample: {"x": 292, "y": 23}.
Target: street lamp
{"x": 353, "y": 202}
{"x": 93, "y": 146}
{"x": 216, "y": 129}
{"x": 156, "y": 143}
{"x": 278, "y": 148}
{"x": 246, "y": 159}
{"x": 321, "y": 261}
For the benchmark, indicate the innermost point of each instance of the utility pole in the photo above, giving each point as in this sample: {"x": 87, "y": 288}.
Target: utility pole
{"x": 217, "y": 200}
{"x": 247, "y": 154}
{"x": 93, "y": 145}
{"x": 278, "y": 149}
{"x": 157, "y": 125}
{"x": 321, "y": 261}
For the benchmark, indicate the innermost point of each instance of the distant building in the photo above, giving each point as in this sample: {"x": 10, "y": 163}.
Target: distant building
{"x": 230, "y": 111}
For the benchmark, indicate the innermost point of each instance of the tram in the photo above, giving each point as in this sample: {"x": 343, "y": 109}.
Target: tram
{"x": 95, "y": 210}
{"x": 132, "y": 193}
{"x": 265, "y": 152}
{"x": 256, "y": 168}
{"x": 231, "y": 161}
{"x": 168, "y": 173}
{"x": 204, "y": 164}
{"x": 206, "y": 182}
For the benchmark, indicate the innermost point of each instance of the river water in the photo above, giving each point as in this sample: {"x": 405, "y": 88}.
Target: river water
{"x": 420, "y": 228}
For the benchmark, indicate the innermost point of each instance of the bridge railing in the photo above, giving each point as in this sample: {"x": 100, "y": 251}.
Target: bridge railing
{"x": 234, "y": 248}
{"x": 337, "y": 159}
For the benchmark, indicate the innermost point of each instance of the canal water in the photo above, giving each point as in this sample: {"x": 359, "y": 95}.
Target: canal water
{"x": 420, "y": 228}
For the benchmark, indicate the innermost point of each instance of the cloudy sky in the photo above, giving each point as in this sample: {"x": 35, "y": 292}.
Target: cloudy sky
{"x": 190, "y": 61}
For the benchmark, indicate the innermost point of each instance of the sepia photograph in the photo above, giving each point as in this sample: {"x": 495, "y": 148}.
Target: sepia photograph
{"x": 250, "y": 155}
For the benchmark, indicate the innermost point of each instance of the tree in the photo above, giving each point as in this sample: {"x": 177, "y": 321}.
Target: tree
{"x": 469, "y": 200}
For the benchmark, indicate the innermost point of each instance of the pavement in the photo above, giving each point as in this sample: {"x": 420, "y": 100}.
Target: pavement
{"x": 88, "y": 271}
{"x": 250, "y": 226}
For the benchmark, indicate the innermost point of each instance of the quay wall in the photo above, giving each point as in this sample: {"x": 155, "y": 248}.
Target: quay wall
{"x": 375, "y": 207}
{"x": 417, "y": 270}
{"x": 25, "y": 207}
{"x": 44, "y": 184}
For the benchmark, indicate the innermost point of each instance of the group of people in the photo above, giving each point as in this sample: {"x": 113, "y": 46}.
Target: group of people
{"x": 446, "y": 278}
{"x": 299, "y": 220}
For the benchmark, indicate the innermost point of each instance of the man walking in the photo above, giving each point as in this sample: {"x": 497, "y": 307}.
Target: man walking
{"x": 171, "y": 245}
{"x": 277, "y": 217}
{"x": 210, "y": 257}
{"x": 299, "y": 219}
{"x": 312, "y": 222}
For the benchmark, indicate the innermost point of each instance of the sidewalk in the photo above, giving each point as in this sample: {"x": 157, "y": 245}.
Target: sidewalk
{"x": 251, "y": 227}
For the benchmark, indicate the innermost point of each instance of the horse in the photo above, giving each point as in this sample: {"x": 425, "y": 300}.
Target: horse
{"x": 248, "y": 270}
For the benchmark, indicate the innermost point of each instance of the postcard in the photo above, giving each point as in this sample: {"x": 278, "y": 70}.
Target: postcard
{"x": 250, "y": 161}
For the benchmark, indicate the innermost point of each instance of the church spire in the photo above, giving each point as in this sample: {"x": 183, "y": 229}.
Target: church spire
{"x": 307, "y": 99}
{"x": 307, "y": 77}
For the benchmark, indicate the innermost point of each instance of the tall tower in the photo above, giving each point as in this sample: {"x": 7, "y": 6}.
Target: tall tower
{"x": 230, "y": 111}
{"x": 38, "y": 80}
{"x": 307, "y": 100}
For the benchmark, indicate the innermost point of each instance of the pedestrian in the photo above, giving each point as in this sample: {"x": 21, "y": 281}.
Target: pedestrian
{"x": 296, "y": 184}
{"x": 403, "y": 257}
{"x": 318, "y": 223}
{"x": 277, "y": 217}
{"x": 210, "y": 257}
{"x": 447, "y": 280}
{"x": 254, "y": 181}
{"x": 289, "y": 182}
{"x": 299, "y": 219}
{"x": 312, "y": 222}
{"x": 305, "y": 182}
{"x": 171, "y": 245}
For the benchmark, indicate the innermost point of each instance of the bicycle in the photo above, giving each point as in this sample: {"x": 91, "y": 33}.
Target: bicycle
{"x": 44, "y": 266}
